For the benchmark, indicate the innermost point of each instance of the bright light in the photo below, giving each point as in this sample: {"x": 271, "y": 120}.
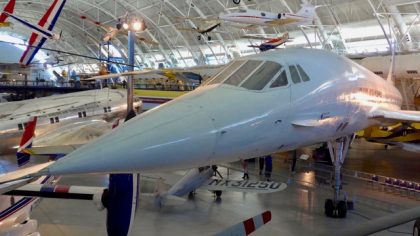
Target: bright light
{"x": 137, "y": 26}
{"x": 125, "y": 26}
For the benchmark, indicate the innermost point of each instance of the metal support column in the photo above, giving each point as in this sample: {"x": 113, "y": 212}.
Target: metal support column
{"x": 131, "y": 40}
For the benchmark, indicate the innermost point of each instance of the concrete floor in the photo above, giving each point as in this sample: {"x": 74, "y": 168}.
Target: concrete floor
{"x": 296, "y": 211}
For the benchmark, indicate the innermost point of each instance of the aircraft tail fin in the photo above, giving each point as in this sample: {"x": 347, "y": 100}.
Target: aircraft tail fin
{"x": 307, "y": 10}
{"x": 9, "y": 9}
{"x": 26, "y": 142}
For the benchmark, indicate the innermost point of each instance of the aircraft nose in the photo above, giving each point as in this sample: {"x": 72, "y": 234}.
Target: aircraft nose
{"x": 175, "y": 135}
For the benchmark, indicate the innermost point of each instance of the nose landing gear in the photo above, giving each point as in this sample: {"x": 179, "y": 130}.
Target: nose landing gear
{"x": 337, "y": 207}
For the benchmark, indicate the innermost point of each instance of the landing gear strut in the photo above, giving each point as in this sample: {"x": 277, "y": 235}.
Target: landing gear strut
{"x": 337, "y": 207}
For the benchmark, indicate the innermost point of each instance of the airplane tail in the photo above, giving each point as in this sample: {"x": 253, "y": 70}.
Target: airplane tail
{"x": 307, "y": 10}
{"x": 26, "y": 142}
{"x": 9, "y": 9}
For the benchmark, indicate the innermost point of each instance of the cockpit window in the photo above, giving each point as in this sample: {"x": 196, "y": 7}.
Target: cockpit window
{"x": 294, "y": 74}
{"x": 226, "y": 72}
{"x": 260, "y": 78}
{"x": 243, "y": 72}
{"x": 303, "y": 74}
{"x": 280, "y": 81}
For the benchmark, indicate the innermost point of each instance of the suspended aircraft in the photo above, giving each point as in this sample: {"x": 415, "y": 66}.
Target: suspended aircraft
{"x": 272, "y": 43}
{"x": 41, "y": 32}
{"x": 255, "y": 18}
{"x": 202, "y": 32}
{"x": 112, "y": 32}
{"x": 257, "y": 105}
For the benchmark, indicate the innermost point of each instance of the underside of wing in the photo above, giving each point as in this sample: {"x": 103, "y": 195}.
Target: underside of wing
{"x": 395, "y": 115}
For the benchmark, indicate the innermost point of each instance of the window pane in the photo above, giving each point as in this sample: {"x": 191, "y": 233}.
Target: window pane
{"x": 303, "y": 74}
{"x": 243, "y": 72}
{"x": 280, "y": 81}
{"x": 262, "y": 76}
{"x": 294, "y": 74}
{"x": 226, "y": 72}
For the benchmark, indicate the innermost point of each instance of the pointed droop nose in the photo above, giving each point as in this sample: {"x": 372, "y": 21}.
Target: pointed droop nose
{"x": 176, "y": 135}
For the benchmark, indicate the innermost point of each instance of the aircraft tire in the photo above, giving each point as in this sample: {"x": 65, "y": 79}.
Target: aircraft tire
{"x": 329, "y": 208}
{"x": 199, "y": 37}
{"x": 209, "y": 38}
{"x": 416, "y": 228}
{"x": 218, "y": 193}
{"x": 236, "y": 1}
{"x": 341, "y": 209}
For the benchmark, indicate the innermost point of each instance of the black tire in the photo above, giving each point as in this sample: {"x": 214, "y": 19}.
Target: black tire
{"x": 341, "y": 209}
{"x": 329, "y": 208}
{"x": 209, "y": 38}
{"x": 236, "y": 1}
{"x": 199, "y": 37}
{"x": 218, "y": 193}
{"x": 416, "y": 228}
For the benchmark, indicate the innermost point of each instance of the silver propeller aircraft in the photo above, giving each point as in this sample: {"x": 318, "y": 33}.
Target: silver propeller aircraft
{"x": 257, "y": 105}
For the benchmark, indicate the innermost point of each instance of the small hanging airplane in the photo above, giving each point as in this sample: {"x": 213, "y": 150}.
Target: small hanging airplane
{"x": 272, "y": 43}
{"x": 203, "y": 32}
{"x": 255, "y": 18}
{"x": 41, "y": 32}
{"x": 112, "y": 32}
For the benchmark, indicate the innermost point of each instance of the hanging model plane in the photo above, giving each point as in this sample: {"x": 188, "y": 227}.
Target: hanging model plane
{"x": 296, "y": 102}
{"x": 255, "y": 18}
{"x": 55, "y": 112}
{"x": 202, "y": 32}
{"x": 270, "y": 44}
{"x": 112, "y": 32}
{"x": 41, "y": 32}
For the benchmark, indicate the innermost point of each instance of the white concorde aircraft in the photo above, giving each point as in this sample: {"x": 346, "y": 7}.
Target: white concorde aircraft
{"x": 257, "y": 105}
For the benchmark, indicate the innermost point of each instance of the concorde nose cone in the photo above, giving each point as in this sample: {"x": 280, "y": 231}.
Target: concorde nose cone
{"x": 176, "y": 135}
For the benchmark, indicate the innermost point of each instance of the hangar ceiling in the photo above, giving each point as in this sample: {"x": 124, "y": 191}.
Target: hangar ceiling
{"x": 339, "y": 26}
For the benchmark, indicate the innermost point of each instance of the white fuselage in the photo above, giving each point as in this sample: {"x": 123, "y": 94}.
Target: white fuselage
{"x": 254, "y": 17}
{"x": 56, "y": 111}
{"x": 219, "y": 122}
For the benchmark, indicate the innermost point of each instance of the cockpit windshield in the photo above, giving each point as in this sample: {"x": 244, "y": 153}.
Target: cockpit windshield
{"x": 252, "y": 75}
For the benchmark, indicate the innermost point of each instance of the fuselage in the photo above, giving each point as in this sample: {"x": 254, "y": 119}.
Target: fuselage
{"x": 255, "y": 17}
{"x": 260, "y": 104}
{"x": 57, "y": 111}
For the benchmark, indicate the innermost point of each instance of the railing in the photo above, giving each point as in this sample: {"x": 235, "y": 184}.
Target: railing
{"x": 166, "y": 87}
{"x": 45, "y": 84}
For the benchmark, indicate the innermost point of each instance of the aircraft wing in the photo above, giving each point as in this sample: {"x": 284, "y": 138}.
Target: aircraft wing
{"x": 382, "y": 223}
{"x": 48, "y": 21}
{"x": 148, "y": 41}
{"x": 243, "y": 186}
{"x": 20, "y": 177}
{"x": 248, "y": 226}
{"x": 280, "y": 22}
{"x": 187, "y": 29}
{"x": 395, "y": 115}
{"x": 35, "y": 43}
